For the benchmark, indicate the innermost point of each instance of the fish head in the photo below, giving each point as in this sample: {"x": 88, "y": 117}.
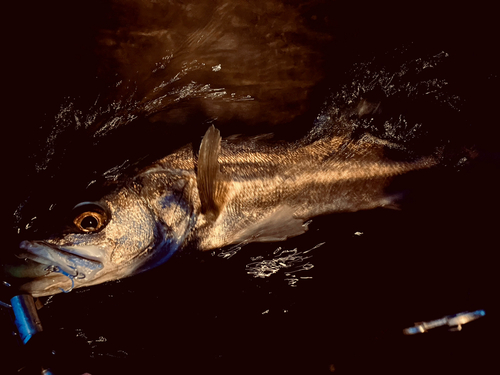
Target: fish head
{"x": 104, "y": 240}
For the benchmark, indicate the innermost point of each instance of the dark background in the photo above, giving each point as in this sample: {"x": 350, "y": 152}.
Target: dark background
{"x": 203, "y": 313}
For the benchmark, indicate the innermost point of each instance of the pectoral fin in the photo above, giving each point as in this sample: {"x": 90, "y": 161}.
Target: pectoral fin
{"x": 211, "y": 186}
{"x": 278, "y": 226}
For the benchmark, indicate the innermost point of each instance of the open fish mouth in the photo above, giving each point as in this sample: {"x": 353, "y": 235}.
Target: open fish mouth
{"x": 58, "y": 266}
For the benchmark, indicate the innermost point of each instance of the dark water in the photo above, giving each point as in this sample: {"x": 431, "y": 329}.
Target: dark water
{"x": 84, "y": 81}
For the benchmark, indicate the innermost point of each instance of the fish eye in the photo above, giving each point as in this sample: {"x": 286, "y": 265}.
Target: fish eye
{"x": 89, "y": 217}
{"x": 89, "y": 221}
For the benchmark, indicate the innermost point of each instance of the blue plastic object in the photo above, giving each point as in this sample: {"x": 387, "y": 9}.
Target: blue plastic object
{"x": 26, "y": 316}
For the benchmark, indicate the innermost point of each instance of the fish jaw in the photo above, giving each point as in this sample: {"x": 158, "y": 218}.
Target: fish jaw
{"x": 67, "y": 267}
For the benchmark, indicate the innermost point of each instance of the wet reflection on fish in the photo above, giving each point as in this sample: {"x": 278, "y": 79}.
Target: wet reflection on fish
{"x": 233, "y": 190}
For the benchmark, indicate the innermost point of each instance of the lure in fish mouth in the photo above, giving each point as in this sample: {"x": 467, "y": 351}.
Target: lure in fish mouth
{"x": 65, "y": 263}
{"x": 231, "y": 191}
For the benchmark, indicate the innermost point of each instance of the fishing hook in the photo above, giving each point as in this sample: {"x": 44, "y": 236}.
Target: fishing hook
{"x": 71, "y": 277}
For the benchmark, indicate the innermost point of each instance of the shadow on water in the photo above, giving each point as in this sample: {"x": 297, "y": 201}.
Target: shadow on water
{"x": 376, "y": 273}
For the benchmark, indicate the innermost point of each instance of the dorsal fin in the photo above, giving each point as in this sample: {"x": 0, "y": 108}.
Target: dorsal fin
{"x": 211, "y": 187}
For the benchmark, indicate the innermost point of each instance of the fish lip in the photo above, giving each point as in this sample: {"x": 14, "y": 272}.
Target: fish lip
{"x": 31, "y": 246}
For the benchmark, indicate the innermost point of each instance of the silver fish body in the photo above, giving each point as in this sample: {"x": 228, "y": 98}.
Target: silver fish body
{"x": 231, "y": 191}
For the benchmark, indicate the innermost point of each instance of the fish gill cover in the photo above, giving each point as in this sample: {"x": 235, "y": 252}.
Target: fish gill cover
{"x": 165, "y": 72}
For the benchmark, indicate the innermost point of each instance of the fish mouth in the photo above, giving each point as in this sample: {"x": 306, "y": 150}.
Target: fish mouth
{"x": 59, "y": 268}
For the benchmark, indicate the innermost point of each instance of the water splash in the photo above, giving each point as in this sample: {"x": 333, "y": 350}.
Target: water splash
{"x": 114, "y": 173}
{"x": 293, "y": 261}
{"x": 230, "y": 252}
{"x": 410, "y": 80}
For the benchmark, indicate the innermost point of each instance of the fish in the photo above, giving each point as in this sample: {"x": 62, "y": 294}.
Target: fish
{"x": 230, "y": 191}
